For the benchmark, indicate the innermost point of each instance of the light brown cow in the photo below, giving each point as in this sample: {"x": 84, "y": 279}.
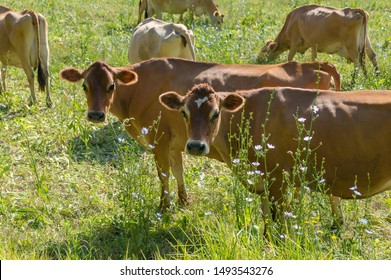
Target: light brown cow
{"x": 197, "y": 7}
{"x": 351, "y": 131}
{"x": 325, "y": 30}
{"x": 106, "y": 91}
{"x": 24, "y": 44}
{"x": 156, "y": 38}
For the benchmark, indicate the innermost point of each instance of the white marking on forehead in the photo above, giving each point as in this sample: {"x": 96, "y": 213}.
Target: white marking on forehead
{"x": 200, "y": 101}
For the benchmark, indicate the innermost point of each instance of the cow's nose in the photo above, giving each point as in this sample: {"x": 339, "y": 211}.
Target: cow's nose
{"x": 196, "y": 147}
{"x": 94, "y": 116}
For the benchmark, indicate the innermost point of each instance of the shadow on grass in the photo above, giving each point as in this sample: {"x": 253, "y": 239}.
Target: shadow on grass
{"x": 119, "y": 239}
{"x": 99, "y": 145}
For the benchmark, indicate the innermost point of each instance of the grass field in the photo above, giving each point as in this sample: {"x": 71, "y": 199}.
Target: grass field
{"x": 73, "y": 190}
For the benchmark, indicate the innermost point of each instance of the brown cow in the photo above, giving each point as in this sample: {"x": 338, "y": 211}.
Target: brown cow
{"x": 325, "y": 30}
{"x": 197, "y": 7}
{"x": 350, "y": 132}
{"x": 24, "y": 44}
{"x": 138, "y": 103}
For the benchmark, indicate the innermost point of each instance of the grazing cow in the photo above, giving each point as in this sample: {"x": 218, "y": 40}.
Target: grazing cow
{"x": 197, "y": 7}
{"x": 24, "y": 44}
{"x": 156, "y": 38}
{"x": 325, "y": 30}
{"x": 138, "y": 104}
{"x": 350, "y": 132}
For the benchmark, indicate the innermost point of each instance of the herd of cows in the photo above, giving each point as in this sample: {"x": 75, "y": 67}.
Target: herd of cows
{"x": 198, "y": 105}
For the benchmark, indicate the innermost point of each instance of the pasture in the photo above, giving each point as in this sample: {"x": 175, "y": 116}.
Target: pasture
{"x": 73, "y": 190}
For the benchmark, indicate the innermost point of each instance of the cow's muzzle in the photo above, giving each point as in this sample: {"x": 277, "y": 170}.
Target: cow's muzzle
{"x": 197, "y": 148}
{"x": 96, "y": 116}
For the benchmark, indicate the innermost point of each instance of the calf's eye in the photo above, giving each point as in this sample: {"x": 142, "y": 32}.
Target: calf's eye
{"x": 110, "y": 88}
{"x": 184, "y": 114}
{"x": 215, "y": 116}
{"x": 84, "y": 87}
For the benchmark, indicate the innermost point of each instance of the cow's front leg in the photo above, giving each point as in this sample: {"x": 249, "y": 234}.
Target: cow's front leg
{"x": 3, "y": 71}
{"x": 176, "y": 163}
{"x": 336, "y": 211}
{"x": 163, "y": 170}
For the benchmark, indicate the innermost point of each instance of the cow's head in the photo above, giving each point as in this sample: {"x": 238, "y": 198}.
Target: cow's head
{"x": 218, "y": 17}
{"x": 270, "y": 50}
{"x": 100, "y": 82}
{"x": 201, "y": 109}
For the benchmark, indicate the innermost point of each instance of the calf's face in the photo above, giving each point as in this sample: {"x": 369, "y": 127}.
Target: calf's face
{"x": 100, "y": 82}
{"x": 201, "y": 109}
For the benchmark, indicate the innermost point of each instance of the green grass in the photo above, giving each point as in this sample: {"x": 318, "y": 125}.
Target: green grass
{"x": 72, "y": 190}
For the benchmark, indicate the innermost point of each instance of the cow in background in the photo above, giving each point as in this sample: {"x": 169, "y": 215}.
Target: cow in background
{"x": 197, "y": 7}
{"x": 324, "y": 30}
{"x": 24, "y": 44}
{"x": 156, "y": 38}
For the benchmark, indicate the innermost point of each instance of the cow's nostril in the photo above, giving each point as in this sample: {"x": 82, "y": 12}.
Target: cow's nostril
{"x": 96, "y": 116}
{"x": 196, "y": 147}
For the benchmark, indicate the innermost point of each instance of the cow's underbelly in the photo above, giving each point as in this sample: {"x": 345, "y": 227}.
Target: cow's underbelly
{"x": 10, "y": 58}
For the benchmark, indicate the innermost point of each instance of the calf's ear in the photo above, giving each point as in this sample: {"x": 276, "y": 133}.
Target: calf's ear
{"x": 171, "y": 100}
{"x": 71, "y": 74}
{"x": 126, "y": 76}
{"x": 232, "y": 102}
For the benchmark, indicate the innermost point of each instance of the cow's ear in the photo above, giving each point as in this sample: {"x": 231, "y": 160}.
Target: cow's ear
{"x": 71, "y": 74}
{"x": 232, "y": 102}
{"x": 171, "y": 100}
{"x": 126, "y": 76}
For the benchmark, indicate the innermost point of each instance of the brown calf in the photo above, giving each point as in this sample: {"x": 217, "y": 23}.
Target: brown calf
{"x": 351, "y": 129}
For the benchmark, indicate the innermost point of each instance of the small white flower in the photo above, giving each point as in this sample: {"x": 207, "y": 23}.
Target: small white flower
{"x": 257, "y": 147}
{"x": 259, "y": 172}
{"x": 144, "y": 131}
{"x": 321, "y": 181}
{"x": 134, "y": 195}
{"x": 353, "y": 188}
{"x": 151, "y": 146}
{"x": 357, "y": 193}
{"x": 270, "y": 146}
{"x": 250, "y": 182}
{"x": 307, "y": 188}
{"x": 290, "y": 215}
{"x": 249, "y": 199}
{"x": 121, "y": 139}
{"x": 282, "y": 236}
{"x": 301, "y": 120}
{"x": 164, "y": 174}
{"x": 315, "y": 109}
{"x": 236, "y": 160}
{"x": 208, "y": 213}
{"x": 255, "y": 163}
{"x": 307, "y": 138}
{"x": 363, "y": 221}
{"x": 368, "y": 231}
{"x": 303, "y": 168}
{"x": 159, "y": 215}
{"x": 250, "y": 172}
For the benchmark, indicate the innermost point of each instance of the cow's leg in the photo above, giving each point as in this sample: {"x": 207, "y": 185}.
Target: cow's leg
{"x": 30, "y": 78}
{"x": 176, "y": 163}
{"x": 292, "y": 52}
{"x": 163, "y": 170}
{"x": 372, "y": 55}
{"x": 336, "y": 211}
{"x": 3, "y": 71}
{"x": 314, "y": 53}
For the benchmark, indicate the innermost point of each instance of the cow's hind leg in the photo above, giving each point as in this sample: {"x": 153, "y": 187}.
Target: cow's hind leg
{"x": 176, "y": 163}
{"x": 3, "y": 71}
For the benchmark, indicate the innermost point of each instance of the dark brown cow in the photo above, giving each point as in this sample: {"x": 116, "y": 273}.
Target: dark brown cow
{"x": 106, "y": 91}
{"x": 325, "y": 30}
{"x": 351, "y": 131}
{"x": 24, "y": 44}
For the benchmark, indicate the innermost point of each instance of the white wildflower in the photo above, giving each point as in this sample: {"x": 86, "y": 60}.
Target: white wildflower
{"x": 307, "y": 138}
{"x": 353, "y": 188}
{"x": 301, "y": 120}
{"x": 208, "y": 213}
{"x": 250, "y": 172}
{"x": 121, "y": 139}
{"x": 368, "y": 231}
{"x": 255, "y": 163}
{"x": 236, "y": 160}
{"x": 363, "y": 221}
{"x": 257, "y": 147}
{"x": 315, "y": 109}
{"x": 270, "y": 146}
{"x": 151, "y": 146}
{"x": 144, "y": 131}
{"x": 249, "y": 199}
{"x": 250, "y": 182}
{"x": 357, "y": 193}
{"x": 290, "y": 215}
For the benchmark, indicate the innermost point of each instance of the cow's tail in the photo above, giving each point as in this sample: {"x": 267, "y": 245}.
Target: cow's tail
{"x": 41, "y": 74}
{"x": 187, "y": 40}
{"x": 330, "y": 68}
{"x": 363, "y": 36}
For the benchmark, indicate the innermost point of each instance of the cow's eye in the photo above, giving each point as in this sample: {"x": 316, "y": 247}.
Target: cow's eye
{"x": 184, "y": 115}
{"x": 215, "y": 116}
{"x": 110, "y": 88}
{"x": 84, "y": 87}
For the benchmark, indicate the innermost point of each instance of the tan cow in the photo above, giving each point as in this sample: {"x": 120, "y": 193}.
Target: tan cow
{"x": 156, "y": 38}
{"x": 351, "y": 132}
{"x": 137, "y": 104}
{"x": 325, "y": 30}
{"x": 24, "y": 44}
{"x": 197, "y": 7}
